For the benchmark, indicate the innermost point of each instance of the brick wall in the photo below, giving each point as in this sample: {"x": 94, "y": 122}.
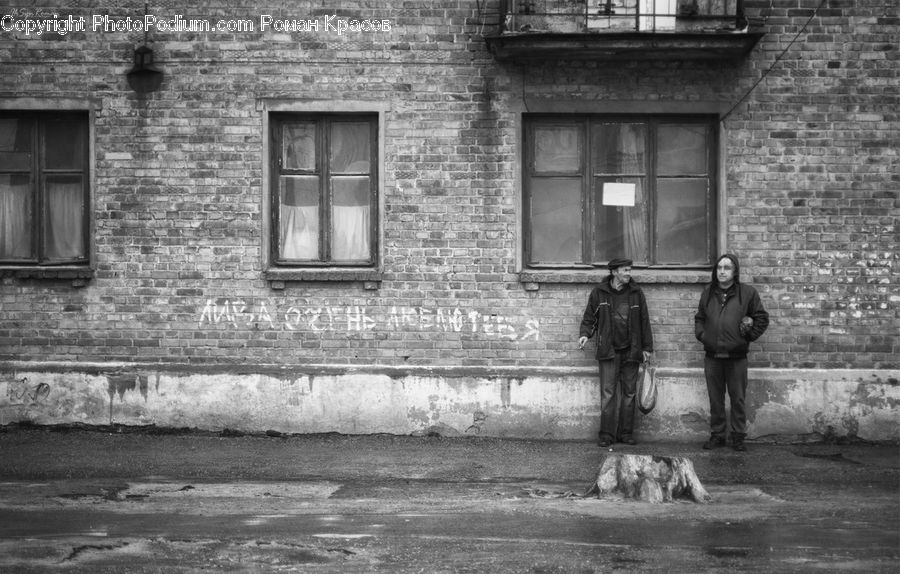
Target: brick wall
{"x": 815, "y": 169}
{"x": 180, "y": 224}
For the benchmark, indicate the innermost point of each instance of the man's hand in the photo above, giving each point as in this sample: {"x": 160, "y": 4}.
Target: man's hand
{"x": 647, "y": 356}
{"x": 582, "y": 341}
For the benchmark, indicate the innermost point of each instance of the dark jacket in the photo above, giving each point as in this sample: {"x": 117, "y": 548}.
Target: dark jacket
{"x": 718, "y": 326}
{"x": 598, "y": 320}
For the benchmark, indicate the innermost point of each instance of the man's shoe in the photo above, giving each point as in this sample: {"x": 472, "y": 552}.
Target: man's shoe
{"x": 628, "y": 440}
{"x": 714, "y": 442}
{"x": 739, "y": 446}
{"x": 604, "y": 441}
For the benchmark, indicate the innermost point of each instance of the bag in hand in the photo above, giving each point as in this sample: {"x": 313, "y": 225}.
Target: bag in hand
{"x": 646, "y": 388}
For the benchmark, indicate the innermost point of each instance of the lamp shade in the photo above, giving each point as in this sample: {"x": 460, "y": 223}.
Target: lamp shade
{"x": 144, "y": 77}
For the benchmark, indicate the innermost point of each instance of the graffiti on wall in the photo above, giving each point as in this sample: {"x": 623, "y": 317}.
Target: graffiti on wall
{"x": 20, "y": 392}
{"x": 239, "y": 314}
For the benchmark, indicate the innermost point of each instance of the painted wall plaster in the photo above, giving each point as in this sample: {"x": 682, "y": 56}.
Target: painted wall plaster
{"x": 792, "y": 404}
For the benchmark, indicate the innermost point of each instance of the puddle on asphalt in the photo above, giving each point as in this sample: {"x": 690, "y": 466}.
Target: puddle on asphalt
{"x": 833, "y": 457}
{"x": 173, "y": 492}
{"x": 157, "y": 491}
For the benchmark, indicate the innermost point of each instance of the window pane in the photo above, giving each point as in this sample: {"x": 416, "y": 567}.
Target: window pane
{"x": 299, "y": 217}
{"x": 15, "y": 217}
{"x": 555, "y": 220}
{"x": 557, "y": 149}
{"x": 619, "y": 148}
{"x": 350, "y": 218}
{"x": 621, "y": 14}
{"x": 659, "y": 8}
{"x": 350, "y": 147}
{"x": 299, "y": 146}
{"x": 682, "y": 150}
{"x": 682, "y": 221}
{"x": 15, "y": 144}
{"x": 620, "y": 231}
{"x": 64, "y": 145}
{"x": 63, "y": 228}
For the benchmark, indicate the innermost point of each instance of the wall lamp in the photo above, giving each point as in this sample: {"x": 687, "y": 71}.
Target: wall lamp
{"x": 144, "y": 77}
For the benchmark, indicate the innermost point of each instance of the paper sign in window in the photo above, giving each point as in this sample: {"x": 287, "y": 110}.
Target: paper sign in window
{"x": 618, "y": 194}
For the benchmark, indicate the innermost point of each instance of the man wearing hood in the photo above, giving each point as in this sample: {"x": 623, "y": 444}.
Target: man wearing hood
{"x": 729, "y": 317}
{"x": 617, "y": 313}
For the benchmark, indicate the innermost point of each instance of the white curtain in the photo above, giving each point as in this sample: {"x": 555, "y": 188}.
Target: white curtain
{"x": 299, "y": 232}
{"x": 351, "y": 232}
{"x": 64, "y": 221}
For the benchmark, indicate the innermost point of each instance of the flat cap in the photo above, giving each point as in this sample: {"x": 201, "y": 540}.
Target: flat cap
{"x": 620, "y": 262}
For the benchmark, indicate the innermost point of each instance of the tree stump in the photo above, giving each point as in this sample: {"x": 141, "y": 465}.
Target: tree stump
{"x": 648, "y": 478}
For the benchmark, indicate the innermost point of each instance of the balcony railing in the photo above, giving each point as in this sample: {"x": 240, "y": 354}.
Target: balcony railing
{"x": 653, "y": 16}
{"x": 621, "y": 29}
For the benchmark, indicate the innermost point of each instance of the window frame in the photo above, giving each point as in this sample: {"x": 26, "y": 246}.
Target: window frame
{"x": 322, "y": 120}
{"x": 590, "y": 172}
{"x": 38, "y": 172}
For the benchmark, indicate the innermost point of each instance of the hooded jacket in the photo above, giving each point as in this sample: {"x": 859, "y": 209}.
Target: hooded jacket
{"x": 717, "y": 325}
{"x": 597, "y": 319}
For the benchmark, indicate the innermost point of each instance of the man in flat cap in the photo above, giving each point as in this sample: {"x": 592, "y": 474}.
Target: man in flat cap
{"x": 617, "y": 314}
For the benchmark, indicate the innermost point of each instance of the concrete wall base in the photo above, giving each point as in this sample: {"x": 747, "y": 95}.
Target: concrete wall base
{"x": 783, "y": 404}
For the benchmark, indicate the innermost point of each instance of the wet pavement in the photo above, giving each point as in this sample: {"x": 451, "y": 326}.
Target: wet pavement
{"x": 116, "y": 500}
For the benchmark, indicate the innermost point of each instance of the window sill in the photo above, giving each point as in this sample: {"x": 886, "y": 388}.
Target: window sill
{"x": 79, "y": 275}
{"x": 277, "y": 277}
{"x": 533, "y": 278}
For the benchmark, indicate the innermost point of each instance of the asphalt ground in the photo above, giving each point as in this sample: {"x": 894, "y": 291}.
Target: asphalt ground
{"x": 158, "y": 500}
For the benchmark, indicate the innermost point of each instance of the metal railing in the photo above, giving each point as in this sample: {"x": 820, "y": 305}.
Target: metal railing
{"x": 592, "y": 16}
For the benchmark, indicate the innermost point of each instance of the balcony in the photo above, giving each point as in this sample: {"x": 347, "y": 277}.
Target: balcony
{"x": 622, "y": 30}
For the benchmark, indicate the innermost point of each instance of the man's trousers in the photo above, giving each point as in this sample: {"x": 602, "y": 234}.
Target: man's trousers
{"x": 726, "y": 376}
{"x": 618, "y": 387}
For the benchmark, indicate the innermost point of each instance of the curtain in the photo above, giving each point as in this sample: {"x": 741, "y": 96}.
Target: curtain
{"x": 351, "y": 233}
{"x": 65, "y": 224}
{"x": 15, "y": 235}
{"x": 299, "y": 231}
{"x": 635, "y": 225}
{"x": 634, "y": 219}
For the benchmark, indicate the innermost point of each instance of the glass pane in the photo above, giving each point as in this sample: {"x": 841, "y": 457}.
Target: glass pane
{"x": 64, "y": 226}
{"x": 64, "y": 143}
{"x": 620, "y": 231}
{"x": 15, "y": 217}
{"x": 557, "y": 149}
{"x": 555, "y": 220}
{"x": 15, "y": 144}
{"x": 617, "y": 15}
{"x": 619, "y": 148}
{"x": 350, "y": 151}
{"x": 682, "y": 221}
{"x": 299, "y": 146}
{"x": 663, "y": 12}
{"x": 682, "y": 150}
{"x": 350, "y": 218}
{"x": 299, "y": 217}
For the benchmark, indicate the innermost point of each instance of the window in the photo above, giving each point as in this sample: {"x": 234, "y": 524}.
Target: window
{"x": 600, "y": 187}
{"x": 324, "y": 189}
{"x": 642, "y": 15}
{"x": 43, "y": 188}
